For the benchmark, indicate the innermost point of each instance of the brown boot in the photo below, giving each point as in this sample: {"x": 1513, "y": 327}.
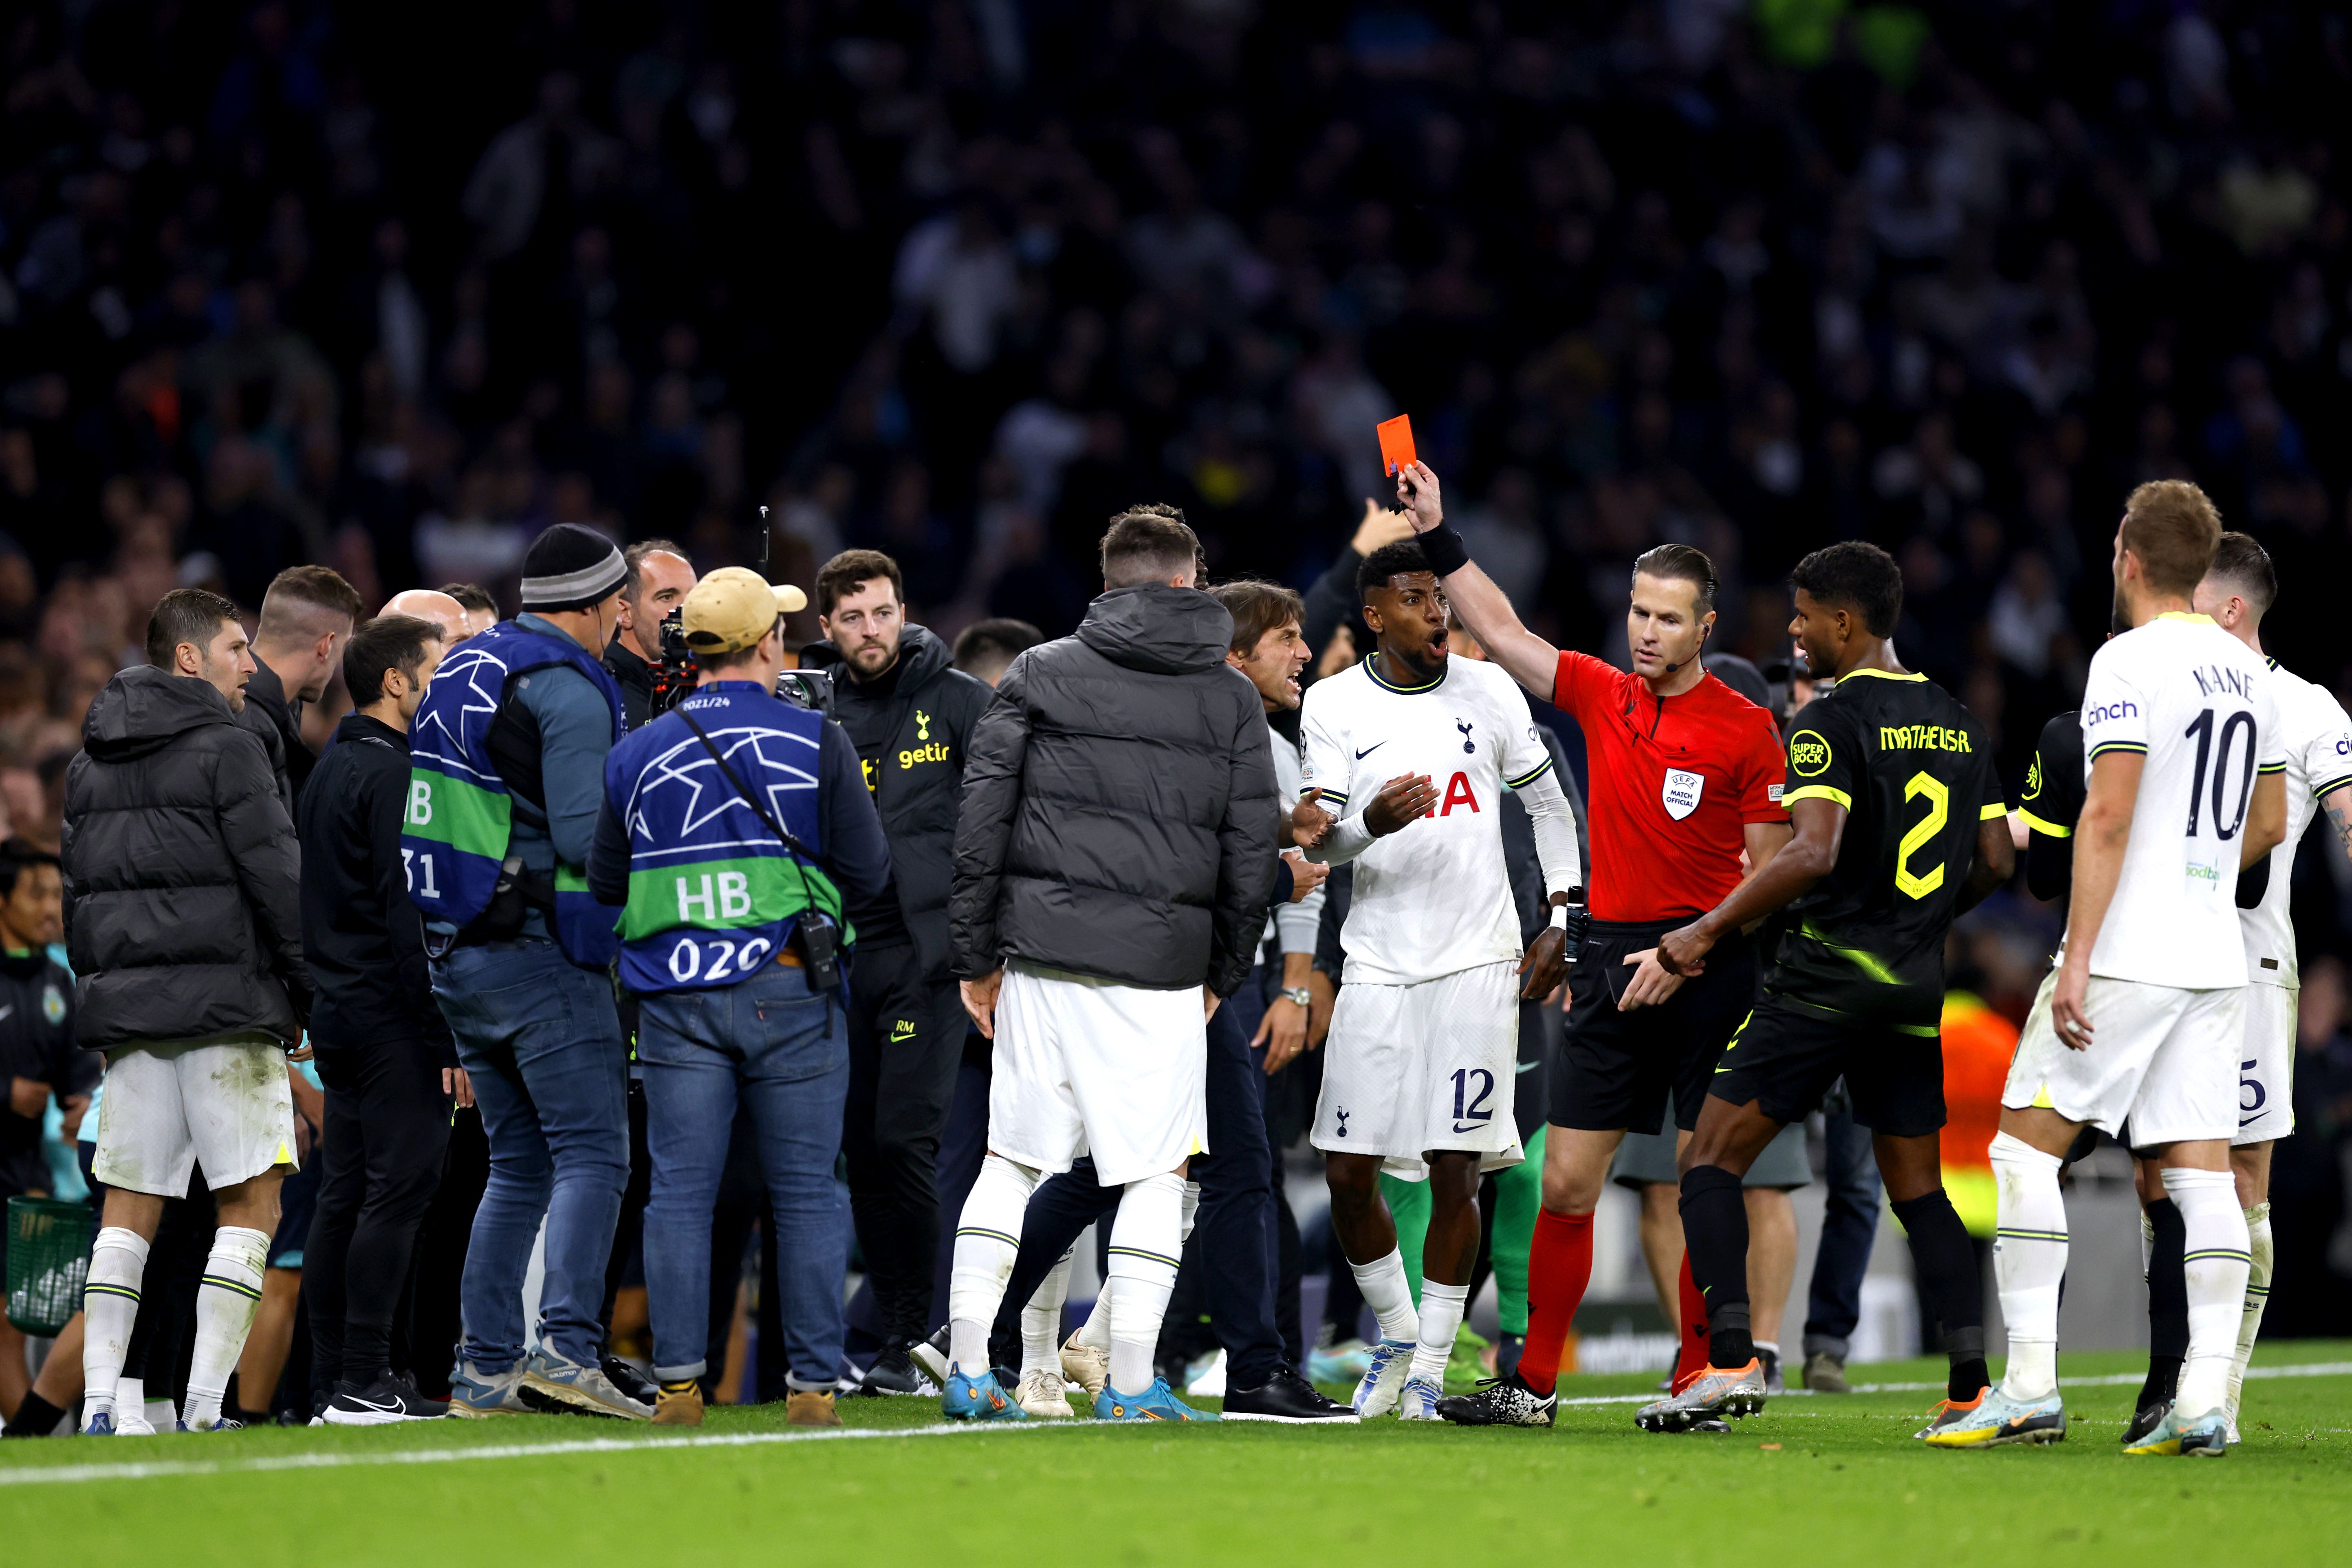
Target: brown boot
{"x": 683, "y": 1408}
{"x": 811, "y": 1410}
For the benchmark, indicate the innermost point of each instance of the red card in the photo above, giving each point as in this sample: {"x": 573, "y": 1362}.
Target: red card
{"x": 1396, "y": 443}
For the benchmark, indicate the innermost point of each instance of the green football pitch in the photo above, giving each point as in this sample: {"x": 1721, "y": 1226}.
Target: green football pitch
{"x": 1814, "y": 1479}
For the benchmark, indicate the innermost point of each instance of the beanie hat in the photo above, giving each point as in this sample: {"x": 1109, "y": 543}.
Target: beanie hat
{"x": 568, "y": 567}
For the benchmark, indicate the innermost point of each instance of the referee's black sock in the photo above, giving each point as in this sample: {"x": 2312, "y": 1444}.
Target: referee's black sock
{"x": 35, "y": 1417}
{"x": 1714, "y": 1228}
{"x": 1946, "y": 1263}
{"x": 2168, "y": 1305}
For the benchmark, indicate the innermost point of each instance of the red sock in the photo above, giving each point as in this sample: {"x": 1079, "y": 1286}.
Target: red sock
{"x": 1693, "y": 1359}
{"x": 1559, "y": 1266}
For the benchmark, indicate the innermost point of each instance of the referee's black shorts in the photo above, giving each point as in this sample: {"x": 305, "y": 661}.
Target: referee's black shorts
{"x": 1616, "y": 1070}
{"x": 1786, "y": 1058}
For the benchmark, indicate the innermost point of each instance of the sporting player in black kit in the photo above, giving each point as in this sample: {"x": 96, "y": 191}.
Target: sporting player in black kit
{"x": 1900, "y": 825}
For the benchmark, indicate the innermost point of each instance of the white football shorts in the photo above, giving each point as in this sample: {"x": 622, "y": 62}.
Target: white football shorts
{"x": 2266, "y": 1067}
{"x": 1424, "y": 1068}
{"x": 2165, "y": 1057}
{"x": 171, "y": 1105}
{"x": 1092, "y": 1067}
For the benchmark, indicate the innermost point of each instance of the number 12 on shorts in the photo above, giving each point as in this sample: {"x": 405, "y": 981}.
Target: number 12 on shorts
{"x": 1472, "y": 1109}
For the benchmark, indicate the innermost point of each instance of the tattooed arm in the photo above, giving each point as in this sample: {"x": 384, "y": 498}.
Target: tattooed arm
{"x": 2338, "y": 804}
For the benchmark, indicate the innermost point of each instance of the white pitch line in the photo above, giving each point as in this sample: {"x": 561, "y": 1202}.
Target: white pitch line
{"x": 153, "y": 1470}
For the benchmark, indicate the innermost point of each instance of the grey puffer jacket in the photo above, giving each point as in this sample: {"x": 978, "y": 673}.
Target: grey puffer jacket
{"x": 1119, "y": 809}
{"x": 183, "y": 882}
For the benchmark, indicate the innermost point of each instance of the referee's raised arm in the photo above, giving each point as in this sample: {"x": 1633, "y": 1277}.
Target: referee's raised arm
{"x": 1485, "y": 608}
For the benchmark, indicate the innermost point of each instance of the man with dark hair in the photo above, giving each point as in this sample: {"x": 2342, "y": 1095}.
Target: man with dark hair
{"x": 910, "y": 716}
{"x": 506, "y": 756}
{"x": 1686, "y": 779}
{"x": 384, "y": 1052}
{"x": 305, "y": 618}
{"x": 37, "y": 1059}
{"x": 1424, "y": 1037}
{"x": 1108, "y": 891}
{"x": 481, "y": 610}
{"x": 1900, "y": 827}
{"x": 182, "y": 908}
{"x": 660, "y": 578}
{"x": 983, "y": 649}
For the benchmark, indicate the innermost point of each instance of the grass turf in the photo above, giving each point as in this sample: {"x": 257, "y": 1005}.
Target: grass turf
{"x": 1814, "y": 1479}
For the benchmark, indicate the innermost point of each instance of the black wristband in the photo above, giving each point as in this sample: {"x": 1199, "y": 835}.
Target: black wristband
{"x": 1444, "y": 551}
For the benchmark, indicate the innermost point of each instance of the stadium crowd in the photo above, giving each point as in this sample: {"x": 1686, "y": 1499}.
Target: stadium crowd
{"x": 960, "y": 283}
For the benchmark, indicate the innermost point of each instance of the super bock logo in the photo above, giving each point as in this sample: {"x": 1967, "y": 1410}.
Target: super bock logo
{"x": 1680, "y": 793}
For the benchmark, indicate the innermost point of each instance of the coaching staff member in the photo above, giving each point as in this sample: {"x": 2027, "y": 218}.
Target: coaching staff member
{"x": 660, "y": 576}
{"x": 1685, "y": 775}
{"x": 910, "y": 715}
{"x": 384, "y": 1053}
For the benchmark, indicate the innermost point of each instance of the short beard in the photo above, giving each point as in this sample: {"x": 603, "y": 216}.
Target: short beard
{"x": 2120, "y": 621}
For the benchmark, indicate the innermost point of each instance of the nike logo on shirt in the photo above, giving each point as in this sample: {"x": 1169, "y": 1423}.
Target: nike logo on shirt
{"x": 1368, "y": 750}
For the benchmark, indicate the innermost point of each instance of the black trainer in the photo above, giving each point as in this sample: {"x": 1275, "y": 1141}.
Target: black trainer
{"x": 1500, "y": 1402}
{"x": 2146, "y": 1419}
{"x": 895, "y": 1372}
{"x": 1286, "y": 1398}
{"x": 388, "y": 1399}
{"x": 930, "y": 1357}
{"x": 623, "y": 1375}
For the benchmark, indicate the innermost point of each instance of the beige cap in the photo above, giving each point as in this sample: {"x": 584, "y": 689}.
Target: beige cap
{"x": 733, "y": 607}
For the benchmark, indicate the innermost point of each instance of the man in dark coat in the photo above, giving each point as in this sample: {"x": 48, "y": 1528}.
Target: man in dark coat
{"x": 183, "y": 923}
{"x": 910, "y": 715}
{"x": 1113, "y": 859}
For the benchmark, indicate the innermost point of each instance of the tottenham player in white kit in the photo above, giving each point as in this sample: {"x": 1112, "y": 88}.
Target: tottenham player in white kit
{"x": 2186, "y": 787}
{"x": 2317, "y": 740}
{"x": 1408, "y": 754}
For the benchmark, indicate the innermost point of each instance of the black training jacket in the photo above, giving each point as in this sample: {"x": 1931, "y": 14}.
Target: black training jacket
{"x": 915, "y": 730}
{"x": 363, "y": 939}
{"x": 182, "y": 883}
{"x": 36, "y": 1042}
{"x": 1119, "y": 812}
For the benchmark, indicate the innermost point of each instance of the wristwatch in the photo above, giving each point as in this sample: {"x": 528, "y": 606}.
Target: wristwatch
{"x": 1299, "y": 995}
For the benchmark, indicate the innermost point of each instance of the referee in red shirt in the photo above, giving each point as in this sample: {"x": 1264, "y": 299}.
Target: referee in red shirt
{"x": 1684, "y": 776}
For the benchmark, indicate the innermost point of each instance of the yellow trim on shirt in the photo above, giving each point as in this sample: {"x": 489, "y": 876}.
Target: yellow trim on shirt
{"x": 2043, "y": 826}
{"x": 1885, "y": 674}
{"x": 1818, "y": 792}
{"x": 1998, "y": 809}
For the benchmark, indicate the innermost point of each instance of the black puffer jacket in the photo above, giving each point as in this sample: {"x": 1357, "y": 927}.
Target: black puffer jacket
{"x": 1120, "y": 810}
{"x": 914, "y": 730}
{"x": 182, "y": 883}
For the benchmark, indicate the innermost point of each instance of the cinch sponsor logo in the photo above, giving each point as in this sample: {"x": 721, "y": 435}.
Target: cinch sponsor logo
{"x": 1922, "y": 738}
{"x": 937, "y": 752}
{"x": 2108, "y": 711}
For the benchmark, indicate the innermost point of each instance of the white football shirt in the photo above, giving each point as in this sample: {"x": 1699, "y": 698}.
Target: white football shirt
{"x": 2201, "y": 706}
{"x": 2318, "y": 740}
{"x": 1434, "y": 898}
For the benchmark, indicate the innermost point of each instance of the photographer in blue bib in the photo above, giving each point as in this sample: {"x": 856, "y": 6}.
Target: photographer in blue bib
{"x": 732, "y": 829}
{"x": 505, "y": 755}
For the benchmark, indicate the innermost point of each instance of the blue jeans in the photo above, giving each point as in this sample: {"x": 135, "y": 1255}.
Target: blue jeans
{"x": 1849, "y": 1225}
{"x": 541, "y": 1041}
{"x": 784, "y": 1051}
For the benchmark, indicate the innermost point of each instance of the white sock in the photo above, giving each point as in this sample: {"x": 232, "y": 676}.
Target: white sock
{"x": 1095, "y": 1333}
{"x": 129, "y": 1398}
{"x": 109, "y": 1302}
{"x": 987, "y": 1240}
{"x": 163, "y": 1416}
{"x": 1191, "y": 1208}
{"x": 2258, "y": 1296}
{"x": 1041, "y": 1320}
{"x": 225, "y": 1301}
{"x": 2147, "y": 1245}
{"x": 1441, "y": 1314}
{"x": 1389, "y": 1294}
{"x": 2215, "y": 1257}
{"x": 1144, "y": 1251}
{"x": 2029, "y": 1258}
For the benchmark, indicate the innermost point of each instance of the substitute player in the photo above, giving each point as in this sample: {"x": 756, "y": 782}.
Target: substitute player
{"x": 1424, "y": 1038}
{"x": 1900, "y": 826}
{"x": 2147, "y": 1012}
{"x": 1684, "y": 776}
